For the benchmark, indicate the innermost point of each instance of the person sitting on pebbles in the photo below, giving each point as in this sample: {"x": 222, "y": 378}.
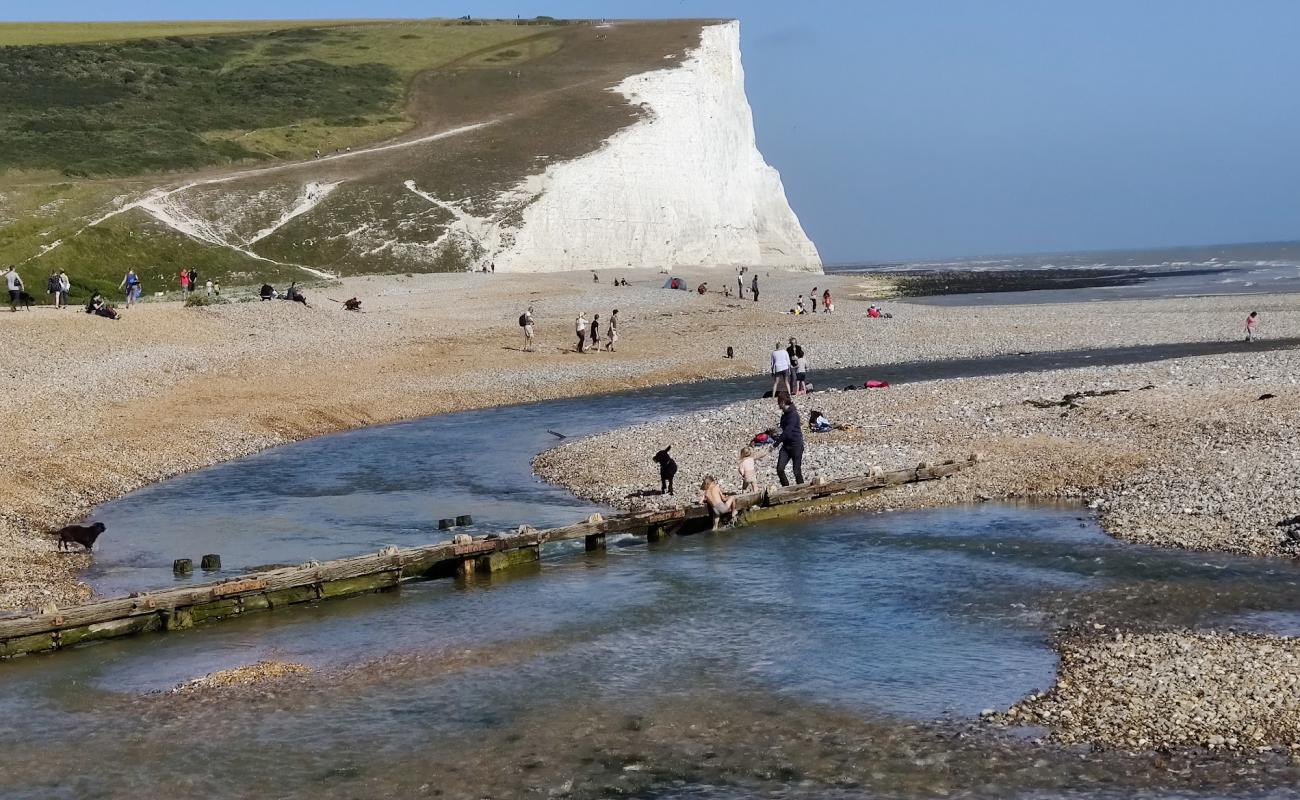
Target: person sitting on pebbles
{"x": 720, "y": 505}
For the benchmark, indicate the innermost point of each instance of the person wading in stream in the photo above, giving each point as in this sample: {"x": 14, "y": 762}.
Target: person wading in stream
{"x": 790, "y": 439}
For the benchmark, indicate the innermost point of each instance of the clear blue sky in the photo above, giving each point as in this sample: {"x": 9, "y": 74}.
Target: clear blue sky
{"x": 922, "y": 128}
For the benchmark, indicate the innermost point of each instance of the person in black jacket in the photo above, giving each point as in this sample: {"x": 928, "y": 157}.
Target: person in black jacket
{"x": 790, "y": 438}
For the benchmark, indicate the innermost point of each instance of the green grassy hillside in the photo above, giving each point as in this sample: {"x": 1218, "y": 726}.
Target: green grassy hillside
{"x": 187, "y": 101}
{"x": 197, "y": 148}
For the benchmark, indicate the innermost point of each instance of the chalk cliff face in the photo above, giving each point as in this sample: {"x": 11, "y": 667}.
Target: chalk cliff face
{"x": 685, "y": 186}
{"x": 537, "y": 168}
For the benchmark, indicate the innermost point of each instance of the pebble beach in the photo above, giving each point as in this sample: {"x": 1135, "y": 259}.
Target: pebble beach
{"x": 1196, "y": 453}
{"x": 1197, "y": 460}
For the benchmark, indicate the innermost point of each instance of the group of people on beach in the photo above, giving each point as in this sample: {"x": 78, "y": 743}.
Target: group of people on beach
{"x": 790, "y": 366}
{"x": 740, "y": 284}
{"x": 190, "y": 283}
{"x": 588, "y": 332}
{"x": 828, "y": 304}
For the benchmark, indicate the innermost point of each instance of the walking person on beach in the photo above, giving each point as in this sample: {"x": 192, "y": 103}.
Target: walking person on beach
{"x": 52, "y": 288}
{"x": 740, "y": 282}
{"x": 813, "y": 297}
{"x": 595, "y": 332}
{"x": 194, "y": 279}
{"x": 780, "y": 370}
{"x": 185, "y": 282}
{"x": 612, "y": 333}
{"x": 753, "y": 287}
{"x": 15, "y": 286}
{"x": 130, "y": 282}
{"x": 1252, "y": 322}
{"x": 526, "y": 322}
{"x": 580, "y": 328}
{"x": 65, "y": 286}
{"x": 827, "y": 305}
{"x": 790, "y": 438}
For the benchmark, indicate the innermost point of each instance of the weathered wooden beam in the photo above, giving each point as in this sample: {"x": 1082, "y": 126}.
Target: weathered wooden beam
{"x": 183, "y": 607}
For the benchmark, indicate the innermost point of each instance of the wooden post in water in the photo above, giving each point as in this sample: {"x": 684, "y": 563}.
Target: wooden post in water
{"x": 210, "y": 562}
{"x": 595, "y": 541}
{"x": 183, "y": 566}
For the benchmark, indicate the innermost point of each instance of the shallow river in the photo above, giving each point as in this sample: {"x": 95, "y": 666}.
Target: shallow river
{"x": 846, "y": 656}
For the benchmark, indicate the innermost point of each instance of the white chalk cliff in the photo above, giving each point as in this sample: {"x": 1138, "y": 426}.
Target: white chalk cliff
{"x": 683, "y": 186}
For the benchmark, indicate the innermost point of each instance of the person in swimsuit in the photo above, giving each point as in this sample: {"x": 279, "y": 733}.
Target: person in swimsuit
{"x": 749, "y": 469}
{"x": 719, "y": 504}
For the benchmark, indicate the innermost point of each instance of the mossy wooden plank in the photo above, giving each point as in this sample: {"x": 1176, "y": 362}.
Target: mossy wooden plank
{"x": 23, "y": 645}
{"x": 505, "y": 559}
{"x": 358, "y": 585}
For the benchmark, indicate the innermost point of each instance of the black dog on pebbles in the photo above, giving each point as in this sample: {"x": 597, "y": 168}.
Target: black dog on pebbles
{"x": 667, "y": 469}
{"x": 84, "y": 535}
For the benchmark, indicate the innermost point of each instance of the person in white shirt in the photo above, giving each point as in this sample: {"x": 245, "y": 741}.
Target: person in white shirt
{"x": 65, "y": 286}
{"x": 15, "y": 286}
{"x": 782, "y": 380}
{"x": 580, "y": 327}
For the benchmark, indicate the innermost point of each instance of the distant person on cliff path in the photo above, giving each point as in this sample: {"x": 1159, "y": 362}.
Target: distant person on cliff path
{"x": 1251, "y": 323}
{"x": 780, "y": 370}
{"x": 526, "y": 321}
{"x": 580, "y": 328}
{"x": 753, "y": 287}
{"x": 790, "y": 438}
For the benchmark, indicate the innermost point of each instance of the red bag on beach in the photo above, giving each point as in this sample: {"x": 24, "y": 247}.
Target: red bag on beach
{"x": 876, "y": 385}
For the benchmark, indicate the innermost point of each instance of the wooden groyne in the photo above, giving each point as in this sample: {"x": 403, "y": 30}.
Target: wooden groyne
{"x": 465, "y": 556}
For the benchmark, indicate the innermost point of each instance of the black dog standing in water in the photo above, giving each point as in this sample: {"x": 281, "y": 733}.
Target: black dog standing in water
{"x": 667, "y": 469}
{"x": 84, "y": 535}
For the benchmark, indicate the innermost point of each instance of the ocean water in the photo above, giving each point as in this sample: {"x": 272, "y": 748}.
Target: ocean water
{"x": 1254, "y": 268}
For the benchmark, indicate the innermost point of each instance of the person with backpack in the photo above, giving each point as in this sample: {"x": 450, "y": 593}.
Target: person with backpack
{"x": 131, "y": 283}
{"x": 526, "y": 322}
{"x": 52, "y": 288}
